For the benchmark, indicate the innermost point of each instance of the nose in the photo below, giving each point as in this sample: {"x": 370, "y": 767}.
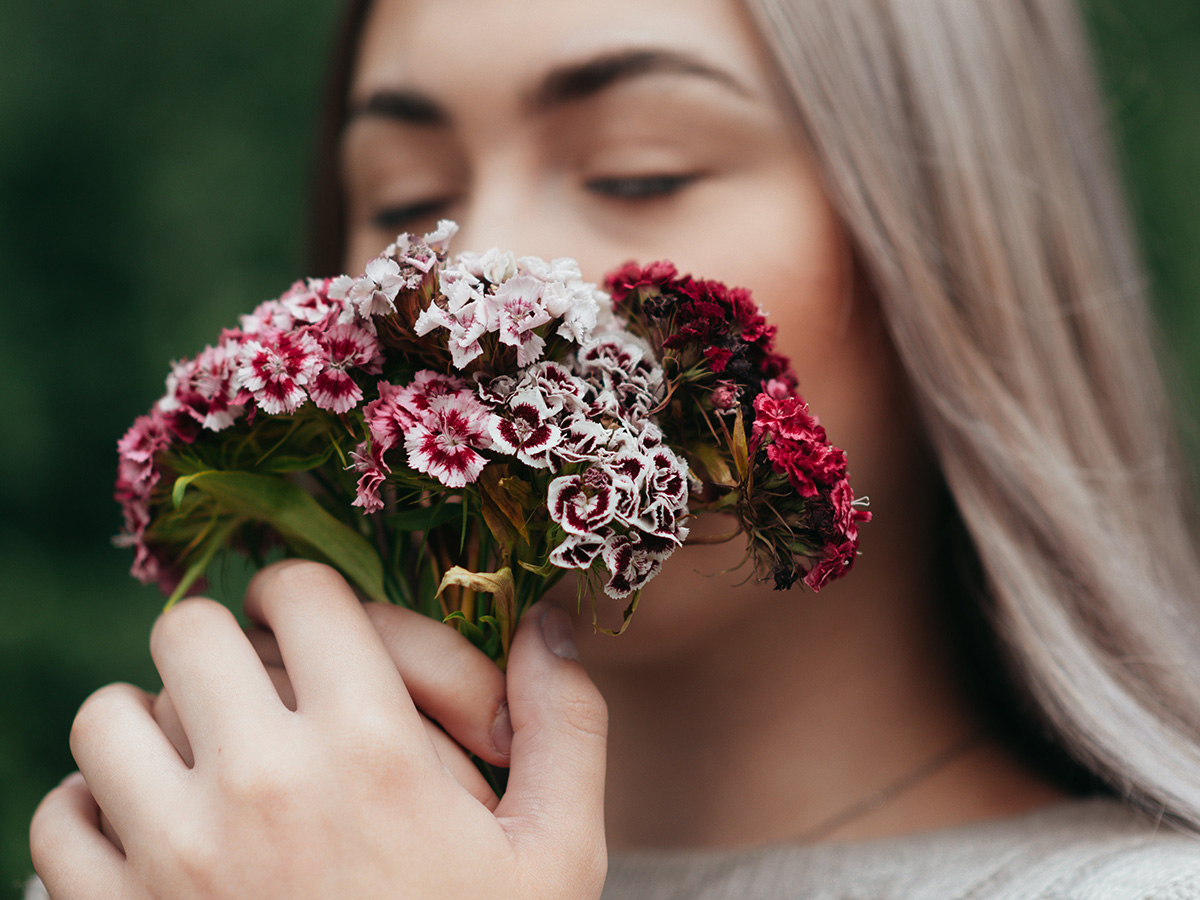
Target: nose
{"x": 519, "y": 208}
{"x": 504, "y": 207}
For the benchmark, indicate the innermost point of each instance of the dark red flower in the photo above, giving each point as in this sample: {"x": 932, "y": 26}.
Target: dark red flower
{"x": 631, "y": 277}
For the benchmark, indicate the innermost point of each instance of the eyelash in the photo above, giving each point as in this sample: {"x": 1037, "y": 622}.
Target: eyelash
{"x": 641, "y": 187}
{"x": 393, "y": 217}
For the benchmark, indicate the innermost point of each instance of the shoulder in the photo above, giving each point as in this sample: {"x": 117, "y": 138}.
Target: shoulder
{"x": 1103, "y": 850}
{"x": 1092, "y": 849}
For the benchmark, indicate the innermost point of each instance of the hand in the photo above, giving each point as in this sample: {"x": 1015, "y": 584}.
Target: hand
{"x": 346, "y": 794}
{"x": 448, "y": 677}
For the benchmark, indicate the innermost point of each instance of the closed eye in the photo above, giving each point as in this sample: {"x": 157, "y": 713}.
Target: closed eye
{"x": 395, "y": 218}
{"x": 641, "y": 186}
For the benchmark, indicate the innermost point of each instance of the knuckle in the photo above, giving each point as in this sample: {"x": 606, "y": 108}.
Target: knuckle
{"x": 183, "y": 619}
{"x": 387, "y": 620}
{"x": 371, "y": 736}
{"x": 192, "y": 852}
{"x": 295, "y": 574}
{"x": 43, "y": 829}
{"x": 255, "y": 784}
{"x": 98, "y": 710}
{"x": 584, "y": 710}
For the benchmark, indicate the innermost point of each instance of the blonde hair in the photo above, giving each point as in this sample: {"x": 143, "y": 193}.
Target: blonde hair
{"x": 965, "y": 148}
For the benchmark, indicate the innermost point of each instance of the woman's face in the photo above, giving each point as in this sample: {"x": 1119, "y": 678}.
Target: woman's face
{"x": 618, "y": 130}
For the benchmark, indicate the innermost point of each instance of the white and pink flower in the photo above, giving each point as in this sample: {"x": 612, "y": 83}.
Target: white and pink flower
{"x": 276, "y": 370}
{"x": 446, "y": 444}
{"x": 344, "y": 347}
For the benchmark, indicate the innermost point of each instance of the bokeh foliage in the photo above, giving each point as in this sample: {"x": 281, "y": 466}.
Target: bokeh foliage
{"x": 153, "y": 163}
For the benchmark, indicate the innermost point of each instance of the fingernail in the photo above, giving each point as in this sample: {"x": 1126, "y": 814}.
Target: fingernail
{"x": 558, "y": 634}
{"x": 502, "y": 733}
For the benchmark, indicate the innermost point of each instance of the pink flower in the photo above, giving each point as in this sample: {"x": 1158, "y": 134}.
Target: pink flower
{"x": 631, "y": 277}
{"x": 447, "y": 444}
{"x": 136, "y": 449}
{"x": 345, "y": 347}
{"x": 725, "y": 396}
{"x": 518, "y": 302}
{"x": 777, "y": 389}
{"x": 203, "y": 390}
{"x": 276, "y": 372}
{"x": 428, "y": 386}
{"x": 835, "y": 561}
{"x": 374, "y": 472}
{"x": 718, "y": 358}
{"x": 309, "y": 301}
{"x": 386, "y": 418}
{"x": 786, "y": 417}
{"x": 271, "y": 315}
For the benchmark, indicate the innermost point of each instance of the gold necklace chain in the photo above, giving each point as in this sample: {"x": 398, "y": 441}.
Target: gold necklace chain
{"x": 891, "y": 791}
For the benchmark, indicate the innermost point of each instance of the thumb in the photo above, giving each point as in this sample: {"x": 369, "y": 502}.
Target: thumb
{"x": 554, "y": 802}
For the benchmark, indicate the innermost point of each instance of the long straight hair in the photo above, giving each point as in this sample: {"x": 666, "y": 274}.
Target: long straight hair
{"x": 964, "y": 147}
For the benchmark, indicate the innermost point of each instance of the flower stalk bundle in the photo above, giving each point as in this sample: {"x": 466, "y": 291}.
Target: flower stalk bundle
{"x": 457, "y": 434}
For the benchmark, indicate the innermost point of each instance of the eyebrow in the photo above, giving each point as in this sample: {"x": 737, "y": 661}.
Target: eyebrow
{"x": 562, "y": 85}
{"x": 578, "y": 81}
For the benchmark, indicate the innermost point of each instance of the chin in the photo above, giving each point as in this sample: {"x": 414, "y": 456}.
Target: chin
{"x": 700, "y": 594}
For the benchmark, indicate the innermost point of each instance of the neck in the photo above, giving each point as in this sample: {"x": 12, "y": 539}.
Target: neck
{"x": 794, "y": 712}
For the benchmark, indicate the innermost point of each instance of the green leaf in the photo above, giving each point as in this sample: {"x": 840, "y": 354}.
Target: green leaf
{"x": 299, "y": 519}
{"x": 212, "y": 544}
{"x": 426, "y": 518}
{"x": 545, "y": 571}
{"x": 181, "y": 485}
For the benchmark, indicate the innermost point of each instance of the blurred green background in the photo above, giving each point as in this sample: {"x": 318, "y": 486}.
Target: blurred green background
{"x": 153, "y": 165}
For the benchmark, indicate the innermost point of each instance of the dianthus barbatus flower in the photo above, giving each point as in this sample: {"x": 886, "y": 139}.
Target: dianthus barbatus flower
{"x": 275, "y": 371}
{"x": 487, "y": 411}
{"x": 447, "y": 440}
{"x": 344, "y": 347}
{"x": 375, "y": 293}
{"x": 522, "y": 429}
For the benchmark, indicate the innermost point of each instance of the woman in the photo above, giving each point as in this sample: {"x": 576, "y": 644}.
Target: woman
{"x": 921, "y": 196}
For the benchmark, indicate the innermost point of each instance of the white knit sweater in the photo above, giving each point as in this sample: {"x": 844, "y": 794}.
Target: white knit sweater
{"x": 1078, "y": 850}
{"x": 1093, "y": 849}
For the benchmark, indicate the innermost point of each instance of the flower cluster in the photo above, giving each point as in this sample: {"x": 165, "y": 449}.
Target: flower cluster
{"x": 791, "y": 488}
{"x": 511, "y": 299}
{"x": 797, "y": 446}
{"x": 489, "y": 410}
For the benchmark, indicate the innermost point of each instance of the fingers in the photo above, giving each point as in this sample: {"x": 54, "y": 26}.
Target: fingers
{"x": 560, "y": 724}
{"x": 335, "y": 659}
{"x": 213, "y": 676}
{"x": 456, "y": 761}
{"x": 450, "y": 680}
{"x": 131, "y": 768}
{"x": 443, "y": 671}
{"x": 168, "y": 720}
{"x": 69, "y": 853}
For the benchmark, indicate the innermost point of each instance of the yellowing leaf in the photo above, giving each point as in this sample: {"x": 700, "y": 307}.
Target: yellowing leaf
{"x": 500, "y": 586}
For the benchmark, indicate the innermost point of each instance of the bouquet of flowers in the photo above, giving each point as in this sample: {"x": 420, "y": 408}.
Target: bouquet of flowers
{"x": 456, "y": 434}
